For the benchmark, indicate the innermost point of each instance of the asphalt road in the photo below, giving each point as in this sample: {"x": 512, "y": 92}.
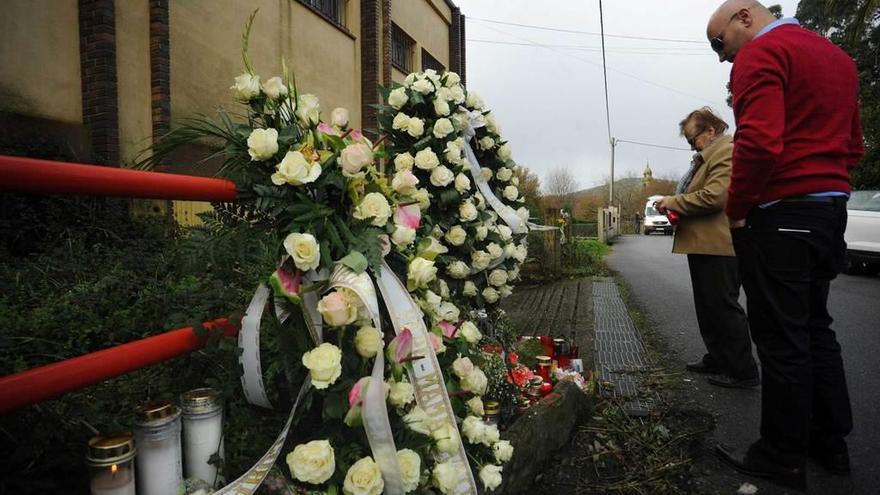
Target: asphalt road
{"x": 661, "y": 288}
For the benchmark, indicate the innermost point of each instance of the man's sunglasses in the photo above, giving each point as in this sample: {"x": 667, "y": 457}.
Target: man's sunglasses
{"x": 717, "y": 43}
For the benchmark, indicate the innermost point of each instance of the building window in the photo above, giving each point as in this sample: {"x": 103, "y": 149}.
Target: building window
{"x": 333, "y": 10}
{"x": 401, "y": 49}
{"x": 429, "y": 62}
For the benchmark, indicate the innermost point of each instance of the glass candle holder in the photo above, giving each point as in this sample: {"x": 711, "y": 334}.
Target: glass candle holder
{"x": 491, "y": 410}
{"x": 202, "y": 433}
{"x": 157, "y": 430}
{"x": 562, "y": 351}
{"x": 111, "y": 464}
{"x": 547, "y": 342}
{"x": 543, "y": 367}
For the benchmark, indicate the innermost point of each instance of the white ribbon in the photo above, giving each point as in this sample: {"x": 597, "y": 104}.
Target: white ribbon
{"x": 375, "y": 411}
{"x": 249, "y": 342}
{"x": 429, "y": 387}
{"x": 508, "y": 214}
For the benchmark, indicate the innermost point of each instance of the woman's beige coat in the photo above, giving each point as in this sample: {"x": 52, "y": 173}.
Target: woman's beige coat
{"x": 703, "y": 227}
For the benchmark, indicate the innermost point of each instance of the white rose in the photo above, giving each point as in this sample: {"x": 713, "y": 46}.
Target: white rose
{"x": 400, "y": 122}
{"x": 521, "y": 253}
{"x": 246, "y": 87}
{"x": 474, "y": 101}
{"x": 441, "y": 107}
{"x": 503, "y": 451}
{"x": 325, "y": 365}
{"x": 480, "y": 260}
{"x": 339, "y": 117}
{"x": 509, "y": 250}
{"x": 441, "y": 176}
{"x": 421, "y": 272}
{"x": 491, "y": 124}
{"x": 363, "y": 478}
{"x": 401, "y": 394}
{"x": 409, "y": 80}
{"x": 416, "y": 127}
{"x": 457, "y": 94}
{"x": 308, "y": 109}
{"x": 460, "y": 120}
{"x": 490, "y": 475}
{"x": 462, "y": 367}
{"x": 515, "y": 181}
{"x": 495, "y": 251}
{"x": 418, "y": 421}
{"x": 423, "y": 86}
{"x": 467, "y": 211}
{"x": 444, "y": 288}
{"x": 375, "y": 206}
{"x": 312, "y": 462}
{"x": 486, "y": 173}
{"x": 462, "y": 183}
{"x": 446, "y": 439}
{"x": 504, "y": 174}
{"x": 426, "y": 159}
{"x": 368, "y": 341}
{"x": 304, "y": 250}
{"x": 473, "y": 429}
{"x": 295, "y": 170}
{"x": 456, "y": 235}
{"x": 403, "y": 236}
{"x": 262, "y": 144}
{"x": 505, "y": 291}
{"x": 498, "y": 277}
{"x": 475, "y": 382}
{"x": 432, "y": 75}
{"x": 449, "y": 312}
{"x": 511, "y": 193}
{"x": 423, "y": 197}
{"x": 491, "y": 435}
{"x": 337, "y": 310}
{"x": 490, "y": 295}
{"x": 445, "y": 476}
{"x": 403, "y": 161}
{"x": 405, "y": 182}
{"x": 442, "y": 128}
{"x": 482, "y": 232}
{"x": 452, "y": 152}
{"x": 469, "y": 331}
{"x": 275, "y": 88}
{"x": 398, "y": 98}
{"x": 504, "y": 152}
{"x": 410, "y": 469}
{"x": 470, "y": 289}
{"x": 481, "y": 203}
{"x": 514, "y": 273}
{"x": 487, "y": 143}
{"x": 475, "y": 404}
{"x": 451, "y": 79}
{"x": 355, "y": 157}
{"x": 504, "y": 232}
{"x": 458, "y": 270}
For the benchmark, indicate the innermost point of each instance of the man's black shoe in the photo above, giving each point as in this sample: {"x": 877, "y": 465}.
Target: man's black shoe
{"x": 701, "y": 367}
{"x": 833, "y": 462}
{"x": 730, "y": 382}
{"x": 789, "y": 477}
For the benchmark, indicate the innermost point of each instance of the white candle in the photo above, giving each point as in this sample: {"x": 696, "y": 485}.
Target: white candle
{"x": 114, "y": 480}
{"x": 202, "y": 438}
{"x": 159, "y": 467}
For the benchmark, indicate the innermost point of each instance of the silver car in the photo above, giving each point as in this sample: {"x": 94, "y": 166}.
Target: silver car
{"x": 863, "y": 233}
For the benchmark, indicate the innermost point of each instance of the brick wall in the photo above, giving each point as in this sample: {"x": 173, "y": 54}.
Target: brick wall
{"x": 463, "y": 72}
{"x": 97, "y": 47}
{"x": 455, "y": 41}
{"x": 160, "y": 67}
{"x": 371, "y": 14}
{"x": 386, "y": 43}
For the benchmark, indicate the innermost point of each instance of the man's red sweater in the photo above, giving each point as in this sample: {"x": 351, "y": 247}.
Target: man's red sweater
{"x": 795, "y": 99}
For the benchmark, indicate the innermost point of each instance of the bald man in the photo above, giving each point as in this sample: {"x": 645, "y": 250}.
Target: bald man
{"x": 798, "y": 136}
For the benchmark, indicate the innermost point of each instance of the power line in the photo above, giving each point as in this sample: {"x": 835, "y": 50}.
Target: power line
{"x": 631, "y": 51}
{"x": 560, "y": 30}
{"x": 605, "y": 76}
{"x": 653, "y": 145}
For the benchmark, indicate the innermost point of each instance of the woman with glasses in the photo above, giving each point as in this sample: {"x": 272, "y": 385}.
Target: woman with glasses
{"x": 704, "y": 235}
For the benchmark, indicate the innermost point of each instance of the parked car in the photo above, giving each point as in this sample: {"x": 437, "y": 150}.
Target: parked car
{"x": 863, "y": 233}
{"x": 654, "y": 221}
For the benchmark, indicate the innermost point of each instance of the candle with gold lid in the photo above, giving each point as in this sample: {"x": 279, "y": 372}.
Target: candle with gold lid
{"x": 543, "y": 367}
{"x": 157, "y": 430}
{"x": 491, "y": 410}
{"x": 111, "y": 464}
{"x": 202, "y": 433}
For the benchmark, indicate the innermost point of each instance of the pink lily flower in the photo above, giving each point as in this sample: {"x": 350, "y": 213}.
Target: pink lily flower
{"x": 409, "y": 216}
{"x": 449, "y": 329}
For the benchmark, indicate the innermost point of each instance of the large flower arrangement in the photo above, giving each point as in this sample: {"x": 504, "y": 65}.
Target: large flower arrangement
{"x": 348, "y": 210}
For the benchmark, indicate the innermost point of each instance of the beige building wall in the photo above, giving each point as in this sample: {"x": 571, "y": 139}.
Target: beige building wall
{"x": 133, "y": 78}
{"x": 206, "y": 52}
{"x": 427, "y": 22}
{"x": 39, "y": 59}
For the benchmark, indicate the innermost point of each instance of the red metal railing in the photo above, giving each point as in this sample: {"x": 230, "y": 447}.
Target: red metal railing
{"x": 28, "y": 175}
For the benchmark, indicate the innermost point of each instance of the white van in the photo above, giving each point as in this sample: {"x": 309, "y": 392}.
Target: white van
{"x": 654, "y": 221}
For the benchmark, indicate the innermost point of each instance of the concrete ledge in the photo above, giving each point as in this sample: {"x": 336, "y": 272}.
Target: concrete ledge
{"x": 537, "y": 435}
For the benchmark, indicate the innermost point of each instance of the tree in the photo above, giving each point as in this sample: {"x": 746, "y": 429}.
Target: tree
{"x": 854, "y": 25}
{"x": 560, "y": 187}
{"x": 530, "y": 187}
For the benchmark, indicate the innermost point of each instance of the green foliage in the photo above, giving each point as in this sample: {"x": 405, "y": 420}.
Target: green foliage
{"x": 582, "y": 257}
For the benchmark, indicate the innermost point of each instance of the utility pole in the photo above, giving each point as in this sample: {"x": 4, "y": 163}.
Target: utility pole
{"x": 611, "y": 184}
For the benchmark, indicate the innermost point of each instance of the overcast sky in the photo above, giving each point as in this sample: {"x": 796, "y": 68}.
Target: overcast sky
{"x": 550, "y": 101}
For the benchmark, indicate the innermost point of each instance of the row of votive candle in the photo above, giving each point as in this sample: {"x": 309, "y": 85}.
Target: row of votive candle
{"x": 156, "y": 448}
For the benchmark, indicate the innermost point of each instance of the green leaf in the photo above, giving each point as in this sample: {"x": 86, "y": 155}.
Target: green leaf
{"x": 356, "y": 261}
